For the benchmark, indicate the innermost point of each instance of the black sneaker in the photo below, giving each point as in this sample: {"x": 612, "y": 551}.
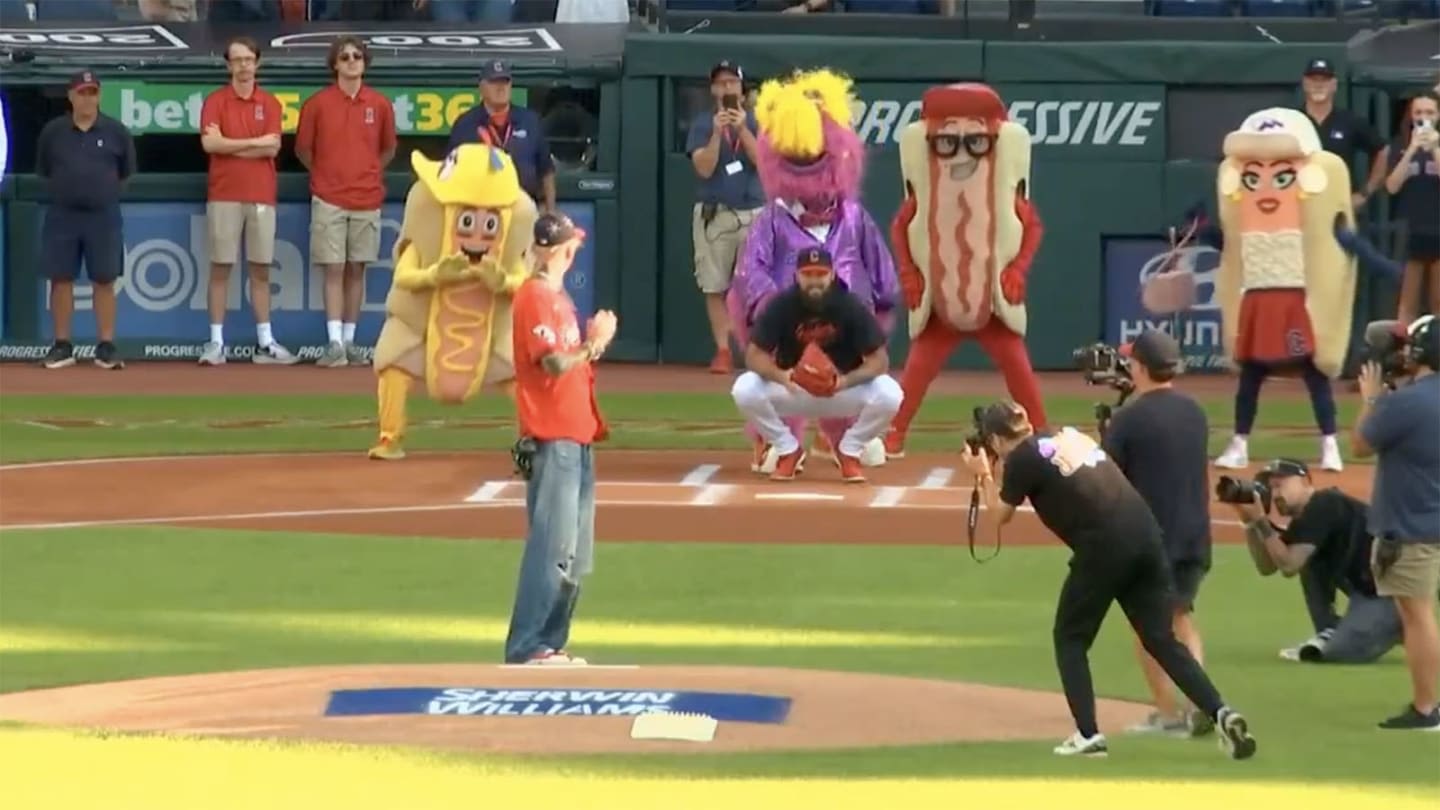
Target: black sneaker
{"x": 62, "y": 354}
{"x": 1412, "y": 719}
{"x": 107, "y": 357}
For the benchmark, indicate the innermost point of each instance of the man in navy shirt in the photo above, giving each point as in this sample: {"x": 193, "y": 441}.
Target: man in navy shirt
{"x": 1401, "y": 430}
{"x": 86, "y": 157}
{"x": 721, "y": 146}
{"x": 514, "y": 130}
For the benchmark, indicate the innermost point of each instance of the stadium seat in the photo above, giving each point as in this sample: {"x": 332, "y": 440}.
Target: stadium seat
{"x": 1192, "y": 8}
{"x": 1277, "y": 8}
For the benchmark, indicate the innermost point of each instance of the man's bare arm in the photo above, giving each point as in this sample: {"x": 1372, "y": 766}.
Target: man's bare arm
{"x": 1004, "y": 512}
{"x": 557, "y": 363}
{"x": 216, "y": 144}
{"x": 1255, "y": 532}
{"x": 260, "y": 152}
{"x": 874, "y": 364}
{"x": 706, "y": 157}
{"x": 759, "y": 361}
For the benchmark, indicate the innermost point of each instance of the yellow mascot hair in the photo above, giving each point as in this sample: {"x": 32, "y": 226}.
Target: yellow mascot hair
{"x": 788, "y": 110}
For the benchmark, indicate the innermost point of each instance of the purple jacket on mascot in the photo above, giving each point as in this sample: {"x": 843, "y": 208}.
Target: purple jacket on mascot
{"x": 811, "y": 163}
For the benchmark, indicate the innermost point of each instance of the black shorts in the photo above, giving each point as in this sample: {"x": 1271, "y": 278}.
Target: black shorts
{"x": 1185, "y": 579}
{"x": 71, "y": 237}
{"x": 1422, "y": 247}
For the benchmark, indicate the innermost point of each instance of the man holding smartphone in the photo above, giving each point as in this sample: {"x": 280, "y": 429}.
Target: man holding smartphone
{"x": 721, "y": 146}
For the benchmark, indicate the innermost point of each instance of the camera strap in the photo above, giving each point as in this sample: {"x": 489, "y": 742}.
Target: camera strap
{"x": 972, "y": 527}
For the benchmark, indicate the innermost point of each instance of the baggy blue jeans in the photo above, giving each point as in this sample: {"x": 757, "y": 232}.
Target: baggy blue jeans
{"x": 559, "y": 548}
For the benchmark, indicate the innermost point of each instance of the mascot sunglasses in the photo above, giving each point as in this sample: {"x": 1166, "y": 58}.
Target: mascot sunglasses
{"x": 977, "y": 144}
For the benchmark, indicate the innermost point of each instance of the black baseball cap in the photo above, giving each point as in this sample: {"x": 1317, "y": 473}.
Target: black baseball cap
{"x": 815, "y": 257}
{"x": 1156, "y": 350}
{"x": 555, "y": 229}
{"x": 727, "y": 66}
{"x": 1320, "y": 66}
{"x": 1286, "y": 468}
{"x": 83, "y": 78}
{"x": 495, "y": 70}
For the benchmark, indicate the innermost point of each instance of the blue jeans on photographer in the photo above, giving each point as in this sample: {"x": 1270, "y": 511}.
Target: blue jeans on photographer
{"x": 559, "y": 548}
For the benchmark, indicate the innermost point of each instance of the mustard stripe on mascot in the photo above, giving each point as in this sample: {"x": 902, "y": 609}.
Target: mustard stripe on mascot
{"x": 460, "y": 257}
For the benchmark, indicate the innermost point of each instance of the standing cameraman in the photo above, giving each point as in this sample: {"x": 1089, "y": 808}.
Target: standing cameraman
{"x": 1400, "y": 428}
{"x": 1159, "y": 441}
{"x": 1081, "y": 496}
{"x": 1326, "y": 542}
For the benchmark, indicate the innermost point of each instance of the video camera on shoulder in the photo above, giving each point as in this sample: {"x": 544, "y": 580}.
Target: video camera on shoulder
{"x": 1391, "y": 345}
{"x": 1104, "y": 365}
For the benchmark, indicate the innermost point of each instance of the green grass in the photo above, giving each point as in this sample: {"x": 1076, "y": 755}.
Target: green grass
{"x": 80, "y": 606}
{"x": 143, "y": 425}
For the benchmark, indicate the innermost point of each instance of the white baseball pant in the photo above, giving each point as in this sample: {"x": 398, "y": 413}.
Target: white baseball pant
{"x": 765, "y": 403}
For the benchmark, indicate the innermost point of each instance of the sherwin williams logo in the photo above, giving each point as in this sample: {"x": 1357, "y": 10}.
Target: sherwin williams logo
{"x": 1051, "y": 123}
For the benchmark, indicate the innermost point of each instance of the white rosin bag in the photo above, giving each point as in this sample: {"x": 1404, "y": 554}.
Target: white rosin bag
{"x": 592, "y": 11}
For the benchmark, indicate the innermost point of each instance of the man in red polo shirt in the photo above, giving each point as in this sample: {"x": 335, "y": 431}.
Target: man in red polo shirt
{"x": 559, "y": 421}
{"x": 240, "y": 130}
{"x": 346, "y": 138}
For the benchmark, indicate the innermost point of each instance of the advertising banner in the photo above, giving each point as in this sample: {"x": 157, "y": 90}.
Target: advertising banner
{"x": 1125, "y": 122}
{"x": 1128, "y": 261}
{"x": 145, "y": 107}
{"x": 161, "y": 298}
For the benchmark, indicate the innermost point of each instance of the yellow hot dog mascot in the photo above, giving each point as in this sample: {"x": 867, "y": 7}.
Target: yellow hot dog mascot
{"x": 460, "y": 256}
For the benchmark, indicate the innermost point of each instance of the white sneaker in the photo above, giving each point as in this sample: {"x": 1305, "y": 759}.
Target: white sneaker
{"x": 334, "y": 356}
{"x": 275, "y": 355}
{"x": 1157, "y": 723}
{"x": 1311, "y": 650}
{"x": 1078, "y": 744}
{"x": 1236, "y": 455}
{"x": 1330, "y": 454}
{"x": 873, "y": 455}
{"x": 553, "y": 658}
{"x": 213, "y": 354}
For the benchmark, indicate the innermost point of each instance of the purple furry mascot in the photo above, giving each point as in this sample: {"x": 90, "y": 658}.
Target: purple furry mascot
{"x": 810, "y": 163}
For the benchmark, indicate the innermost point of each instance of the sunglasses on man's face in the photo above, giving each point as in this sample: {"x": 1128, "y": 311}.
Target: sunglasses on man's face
{"x": 977, "y": 144}
{"x": 352, "y": 56}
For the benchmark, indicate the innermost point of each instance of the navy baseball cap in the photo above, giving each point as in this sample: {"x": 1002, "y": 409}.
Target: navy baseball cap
{"x": 727, "y": 66}
{"x": 814, "y": 258}
{"x": 555, "y": 229}
{"x": 495, "y": 70}
{"x": 1156, "y": 350}
{"x": 81, "y": 79}
{"x": 1320, "y": 66}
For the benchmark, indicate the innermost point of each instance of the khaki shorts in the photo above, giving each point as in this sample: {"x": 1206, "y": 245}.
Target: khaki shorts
{"x": 227, "y": 221}
{"x": 1415, "y": 575}
{"x": 338, "y": 236}
{"x": 718, "y": 245}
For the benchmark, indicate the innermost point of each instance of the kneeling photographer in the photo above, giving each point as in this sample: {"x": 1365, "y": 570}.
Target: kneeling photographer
{"x": 1159, "y": 442}
{"x": 1397, "y": 424}
{"x": 1327, "y": 544}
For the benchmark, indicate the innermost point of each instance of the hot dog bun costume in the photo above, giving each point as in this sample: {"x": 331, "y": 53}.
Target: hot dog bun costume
{"x": 964, "y": 238}
{"x": 460, "y": 256}
{"x": 810, "y": 162}
{"x": 1286, "y": 285}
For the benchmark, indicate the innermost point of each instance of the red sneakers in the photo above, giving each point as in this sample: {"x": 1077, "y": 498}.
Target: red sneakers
{"x": 850, "y": 470}
{"x": 894, "y": 444}
{"x": 789, "y": 465}
{"x": 722, "y": 363}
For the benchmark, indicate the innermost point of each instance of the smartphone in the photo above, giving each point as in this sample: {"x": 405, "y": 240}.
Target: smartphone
{"x": 1424, "y": 123}
{"x": 730, "y": 101}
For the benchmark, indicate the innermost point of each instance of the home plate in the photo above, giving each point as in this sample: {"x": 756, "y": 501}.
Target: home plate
{"x": 798, "y": 496}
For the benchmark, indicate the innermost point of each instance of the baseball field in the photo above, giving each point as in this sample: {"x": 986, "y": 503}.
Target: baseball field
{"x": 193, "y": 561}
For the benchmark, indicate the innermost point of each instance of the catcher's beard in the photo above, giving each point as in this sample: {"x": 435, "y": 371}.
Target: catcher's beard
{"x": 1272, "y": 259}
{"x": 814, "y": 300}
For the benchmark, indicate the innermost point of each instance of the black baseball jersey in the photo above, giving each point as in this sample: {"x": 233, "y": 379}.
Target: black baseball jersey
{"x": 1079, "y": 494}
{"x": 1348, "y": 135}
{"x": 1334, "y": 523}
{"x": 843, "y": 327}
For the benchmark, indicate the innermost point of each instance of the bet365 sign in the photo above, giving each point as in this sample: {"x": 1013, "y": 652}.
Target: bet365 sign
{"x": 1126, "y": 120}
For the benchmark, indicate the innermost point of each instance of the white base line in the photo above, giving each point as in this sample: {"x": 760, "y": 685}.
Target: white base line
{"x": 887, "y": 497}
{"x": 937, "y": 478}
{"x": 40, "y": 425}
{"x": 711, "y": 494}
{"x": 798, "y": 496}
{"x": 699, "y": 475}
{"x": 487, "y": 491}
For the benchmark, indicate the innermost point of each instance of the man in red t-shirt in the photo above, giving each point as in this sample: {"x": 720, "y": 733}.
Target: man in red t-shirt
{"x": 559, "y": 421}
{"x": 240, "y": 131}
{"x": 346, "y": 138}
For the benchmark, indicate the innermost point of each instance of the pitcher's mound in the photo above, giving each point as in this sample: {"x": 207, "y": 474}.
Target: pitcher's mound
{"x": 536, "y": 709}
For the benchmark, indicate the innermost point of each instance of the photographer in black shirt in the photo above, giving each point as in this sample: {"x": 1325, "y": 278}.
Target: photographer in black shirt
{"x": 1327, "y": 544}
{"x": 1159, "y": 441}
{"x": 1081, "y": 496}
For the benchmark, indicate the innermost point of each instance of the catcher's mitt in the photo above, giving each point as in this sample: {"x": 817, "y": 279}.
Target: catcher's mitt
{"x": 815, "y": 373}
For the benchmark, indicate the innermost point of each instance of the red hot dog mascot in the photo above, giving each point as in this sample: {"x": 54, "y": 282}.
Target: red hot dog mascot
{"x": 963, "y": 239}
{"x": 1285, "y": 284}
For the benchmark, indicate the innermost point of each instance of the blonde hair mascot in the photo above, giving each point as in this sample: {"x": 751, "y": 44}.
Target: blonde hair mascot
{"x": 460, "y": 257}
{"x": 810, "y": 162}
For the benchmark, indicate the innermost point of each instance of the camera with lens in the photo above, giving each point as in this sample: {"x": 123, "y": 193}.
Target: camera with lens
{"x": 1387, "y": 344}
{"x": 978, "y": 440}
{"x": 1103, "y": 365}
{"x": 1240, "y": 491}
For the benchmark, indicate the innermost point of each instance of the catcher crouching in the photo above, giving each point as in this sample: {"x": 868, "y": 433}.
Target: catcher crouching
{"x": 817, "y": 351}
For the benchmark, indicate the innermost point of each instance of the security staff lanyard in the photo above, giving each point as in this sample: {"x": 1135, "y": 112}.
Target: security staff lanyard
{"x": 732, "y": 140}
{"x": 493, "y": 137}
